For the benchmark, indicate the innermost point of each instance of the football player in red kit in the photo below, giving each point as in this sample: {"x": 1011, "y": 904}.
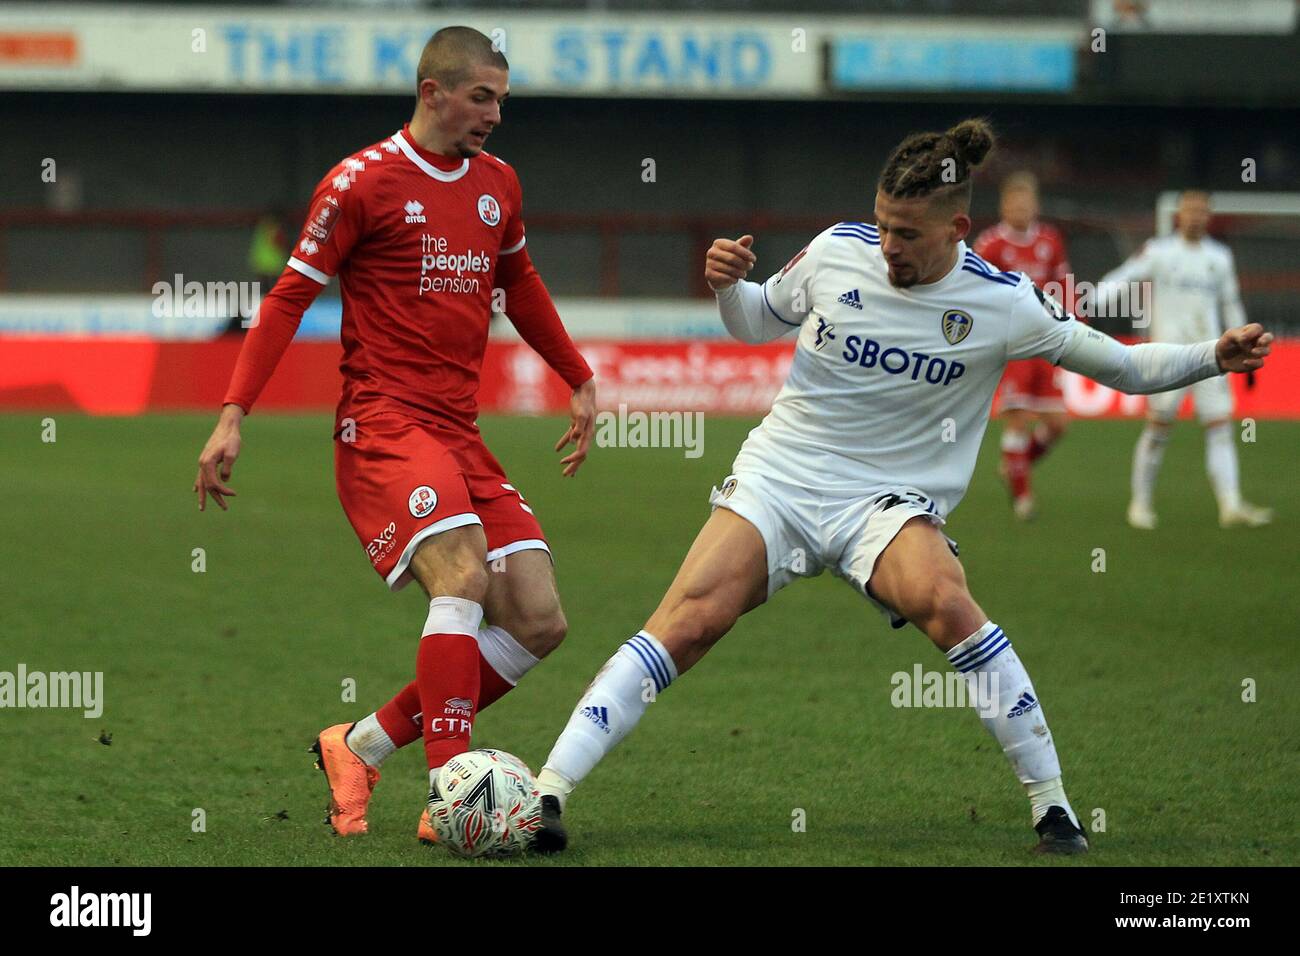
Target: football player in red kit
{"x": 1033, "y": 407}
{"x": 420, "y": 229}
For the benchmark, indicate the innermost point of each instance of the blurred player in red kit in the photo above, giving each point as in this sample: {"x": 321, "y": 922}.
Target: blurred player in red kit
{"x": 1033, "y": 407}
{"x": 421, "y": 229}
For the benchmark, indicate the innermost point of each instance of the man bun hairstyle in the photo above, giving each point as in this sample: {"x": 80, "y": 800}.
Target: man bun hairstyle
{"x": 938, "y": 165}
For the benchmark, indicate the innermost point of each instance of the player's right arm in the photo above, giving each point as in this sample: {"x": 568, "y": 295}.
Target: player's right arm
{"x": 332, "y": 228}
{"x": 759, "y": 312}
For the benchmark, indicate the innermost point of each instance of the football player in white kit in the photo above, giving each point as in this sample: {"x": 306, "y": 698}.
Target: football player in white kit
{"x": 903, "y": 334}
{"x": 1195, "y": 297}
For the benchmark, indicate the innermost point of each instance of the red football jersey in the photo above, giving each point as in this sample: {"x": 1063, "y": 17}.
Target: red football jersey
{"x": 1038, "y": 252}
{"x": 414, "y": 238}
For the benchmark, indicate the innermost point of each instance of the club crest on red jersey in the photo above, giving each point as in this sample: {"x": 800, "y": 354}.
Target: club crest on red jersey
{"x": 489, "y": 210}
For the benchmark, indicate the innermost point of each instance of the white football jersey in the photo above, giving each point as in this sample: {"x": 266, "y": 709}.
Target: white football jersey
{"x": 892, "y": 387}
{"x": 1194, "y": 288}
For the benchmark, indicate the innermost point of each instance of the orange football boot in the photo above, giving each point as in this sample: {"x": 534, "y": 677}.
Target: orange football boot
{"x": 350, "y": 779}
{"x": 426, "y": 832}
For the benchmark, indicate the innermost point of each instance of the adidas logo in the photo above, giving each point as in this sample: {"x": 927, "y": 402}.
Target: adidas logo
{"x": 414, "y": 211}
{"x": 851, "y": 298}
{"x": 1024, "y": 705}
{"x": 598, "y": 716}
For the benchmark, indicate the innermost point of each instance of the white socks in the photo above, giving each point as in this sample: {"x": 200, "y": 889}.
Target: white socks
{"x": 506, "y": 655}
{"x": 1018, "y": 723}
{"x": 1221, "y": 465}
{"x": 628, "y": 683}
{"x": 1014, "y": 441}
{"x": 1148, "y": 454}
{"x": 369, "y": 741}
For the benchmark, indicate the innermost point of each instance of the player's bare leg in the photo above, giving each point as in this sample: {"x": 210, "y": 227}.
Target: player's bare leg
{"x": 723, "y": 576}
{"x": 920, "y": 578}
{"x": 1016, "y": 444}
{"x": 1147, "y": 456}
{"x": 1221, "y": 466}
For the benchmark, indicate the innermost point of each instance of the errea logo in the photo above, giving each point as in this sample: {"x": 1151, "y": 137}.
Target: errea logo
{"x": 414, "y": 211}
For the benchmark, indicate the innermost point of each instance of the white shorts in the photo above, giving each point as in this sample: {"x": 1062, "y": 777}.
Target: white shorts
{"x": 1212, "y": 398}
{"x": 807, "y": 532}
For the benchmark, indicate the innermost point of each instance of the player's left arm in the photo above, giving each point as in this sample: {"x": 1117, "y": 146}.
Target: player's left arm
{"x": 529, "y": 308}
{"x": 1160, "y": 366}
{"x": 1040, "y": 328}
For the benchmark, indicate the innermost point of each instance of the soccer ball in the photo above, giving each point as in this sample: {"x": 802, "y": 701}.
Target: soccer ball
{"x": 486, "y": 804}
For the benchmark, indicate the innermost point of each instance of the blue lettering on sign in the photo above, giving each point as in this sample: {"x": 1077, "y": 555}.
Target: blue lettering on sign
{"x": 269, "y": 57}
{"x": 614, "y": 48}
{"x": 751, "y": 60}
{"x": 571, "y": 65}
{"x": 236, "y": 37}
{"x": 657, "y": 59}
{"x": 392, "y": 57}
{"x": 866, "y": 353}
{"x": 326, "y": 54}
{"x": 652, "y": 60}
{"x": 698, "y": 60}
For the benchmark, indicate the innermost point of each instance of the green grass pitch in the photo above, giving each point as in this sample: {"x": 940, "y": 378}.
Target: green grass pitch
{"x": 216, "y": 682}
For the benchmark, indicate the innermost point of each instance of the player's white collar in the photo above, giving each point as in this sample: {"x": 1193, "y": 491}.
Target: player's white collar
{"x": 442, "y": 175}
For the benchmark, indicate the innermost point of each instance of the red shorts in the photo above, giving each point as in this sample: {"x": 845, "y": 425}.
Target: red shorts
{"x": 402, "y": 480}
{"x": 1032, "y": 385}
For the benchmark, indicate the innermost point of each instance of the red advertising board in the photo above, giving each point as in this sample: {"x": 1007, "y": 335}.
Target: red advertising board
{"x": 133, "y": 376}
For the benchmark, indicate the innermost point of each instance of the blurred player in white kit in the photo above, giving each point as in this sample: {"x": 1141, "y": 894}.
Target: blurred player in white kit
{"x": 1195, "y": 297}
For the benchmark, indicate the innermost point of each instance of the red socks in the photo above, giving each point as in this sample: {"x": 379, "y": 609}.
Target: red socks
{"x": 401, "y": 717}
{"x": 446, "y": 673}
{"x": 1019, "y": 452}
